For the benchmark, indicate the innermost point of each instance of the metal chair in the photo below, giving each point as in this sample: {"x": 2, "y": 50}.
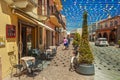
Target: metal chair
{"x": 15, "y": 65}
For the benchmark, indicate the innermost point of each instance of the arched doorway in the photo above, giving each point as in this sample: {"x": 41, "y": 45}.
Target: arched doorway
{"x": 112, "y": 36}
{"x": 99, "y": 35}
{"x": 105, "y": 35}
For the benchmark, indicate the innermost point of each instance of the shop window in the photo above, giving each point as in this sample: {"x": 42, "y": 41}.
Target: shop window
{"x": 40, "y": 35}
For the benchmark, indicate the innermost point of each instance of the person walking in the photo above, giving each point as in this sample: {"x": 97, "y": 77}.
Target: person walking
{"x": 65, "y": 41}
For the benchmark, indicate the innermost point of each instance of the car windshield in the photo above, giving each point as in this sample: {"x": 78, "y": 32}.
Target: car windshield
{"x": 104, "y": 39}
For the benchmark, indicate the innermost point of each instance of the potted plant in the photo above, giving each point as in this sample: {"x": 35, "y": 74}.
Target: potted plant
{"x": 119, "y": 43}
{"x": 76, "y": 40}
{"x": 85, "y": 59}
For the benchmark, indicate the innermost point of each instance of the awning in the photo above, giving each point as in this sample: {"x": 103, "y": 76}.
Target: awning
{"x": 43, "y": 25}
{"x": 32, "y": 17}
{"x": 54, "y": 20}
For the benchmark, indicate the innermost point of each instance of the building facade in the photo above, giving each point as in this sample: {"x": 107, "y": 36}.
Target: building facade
{"x": 78, "y": 30}
{"x": 92, "y": 31}
{"x": 109, "y": 28}
{"x": 26, "y": 25}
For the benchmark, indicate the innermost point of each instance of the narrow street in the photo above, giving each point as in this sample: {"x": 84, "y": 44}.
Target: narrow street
{"x": 59, "y": 67}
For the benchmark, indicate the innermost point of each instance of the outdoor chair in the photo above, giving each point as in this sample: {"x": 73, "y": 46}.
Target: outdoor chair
{"x": 54, "y": 49}
{"x": 28, "y": 65}
{"x": 15, "y": 65}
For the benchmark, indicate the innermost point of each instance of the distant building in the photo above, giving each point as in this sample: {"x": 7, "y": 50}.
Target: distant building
{"x": 78, "y": 30}
{"x": 109, "y": 28}
{"x": 92, "y": 31}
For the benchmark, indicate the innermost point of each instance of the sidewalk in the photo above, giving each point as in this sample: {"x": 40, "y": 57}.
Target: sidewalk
{"x": 57, "y": 69}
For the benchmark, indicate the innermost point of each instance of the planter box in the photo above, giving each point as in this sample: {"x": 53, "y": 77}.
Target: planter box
{"x": 86, "y": 69}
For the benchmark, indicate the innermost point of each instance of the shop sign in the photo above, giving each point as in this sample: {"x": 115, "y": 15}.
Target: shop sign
{"x": 2, "y": 41}
{"x": 10, "y": 31}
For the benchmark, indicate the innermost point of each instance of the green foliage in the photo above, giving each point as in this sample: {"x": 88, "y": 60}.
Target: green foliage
{"x": 76, "y": 40}
{"x": 86, "y": 55}
{"x": 119, "y": 42}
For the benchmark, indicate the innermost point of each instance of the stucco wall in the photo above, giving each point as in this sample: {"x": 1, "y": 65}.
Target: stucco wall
{"x": 6, "y": 17}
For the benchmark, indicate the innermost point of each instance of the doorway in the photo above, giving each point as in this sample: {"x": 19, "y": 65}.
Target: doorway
{"x": 26, "y": 39}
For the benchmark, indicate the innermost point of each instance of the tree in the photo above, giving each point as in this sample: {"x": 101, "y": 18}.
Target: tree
{"x": 86, "y": 55}
{"x": 76, "y": 40}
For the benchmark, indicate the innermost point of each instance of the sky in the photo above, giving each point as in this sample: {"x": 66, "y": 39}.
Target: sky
{"x": 97, "y": 10}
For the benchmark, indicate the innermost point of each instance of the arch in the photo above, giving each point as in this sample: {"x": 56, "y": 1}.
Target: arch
{"x": 99, "y": 35}
{"x": 105, "y": 35}
{"x": 112, "y": 36}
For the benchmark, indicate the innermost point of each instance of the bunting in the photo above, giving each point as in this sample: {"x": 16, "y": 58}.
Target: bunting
{"x": 97, "y": 10}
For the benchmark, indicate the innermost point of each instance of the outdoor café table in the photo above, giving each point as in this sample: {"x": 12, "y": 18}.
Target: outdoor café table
{"x": 28, "y": 61}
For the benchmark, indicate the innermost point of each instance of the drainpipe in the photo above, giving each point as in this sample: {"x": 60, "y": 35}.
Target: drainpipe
{"x": 0, "y": 69}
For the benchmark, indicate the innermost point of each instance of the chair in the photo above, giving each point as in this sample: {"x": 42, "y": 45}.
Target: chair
{"x": 14, "y": 65}
{"x": 54, "y": 49}
{"x": 28, "y": 63}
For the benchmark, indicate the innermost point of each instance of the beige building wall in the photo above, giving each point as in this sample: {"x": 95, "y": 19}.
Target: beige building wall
{"x": 6, "y": 17}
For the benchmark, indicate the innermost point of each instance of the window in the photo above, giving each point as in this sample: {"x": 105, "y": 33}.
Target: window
{"x": 101, "y": 26}
{"x": 106, "y": 25}
{"x": 115, "y": 23}
{"x": 111, "y": 23}
{"x": 40, "y": 35}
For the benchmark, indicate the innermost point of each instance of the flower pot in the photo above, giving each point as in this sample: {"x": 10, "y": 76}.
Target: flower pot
{"x": 86, "y": 69}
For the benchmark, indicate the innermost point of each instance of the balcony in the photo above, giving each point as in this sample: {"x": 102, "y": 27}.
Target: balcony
{"x": 53, "y": 19}
{"x": 58, "y": 4}
{"x": 24, "y": 4}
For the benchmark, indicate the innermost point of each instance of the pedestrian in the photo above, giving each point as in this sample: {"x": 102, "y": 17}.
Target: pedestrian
{"x": 65, "y": 42}
{"x": 68, "y": 38}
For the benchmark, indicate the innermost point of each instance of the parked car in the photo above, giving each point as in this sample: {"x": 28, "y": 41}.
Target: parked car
{"x": 101, "y": 42}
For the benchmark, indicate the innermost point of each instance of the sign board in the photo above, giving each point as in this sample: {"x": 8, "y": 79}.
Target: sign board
{"x": 10, "y": 31}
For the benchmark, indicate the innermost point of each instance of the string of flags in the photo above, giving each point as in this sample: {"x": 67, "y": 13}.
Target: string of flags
{"x": 97, "y": 10}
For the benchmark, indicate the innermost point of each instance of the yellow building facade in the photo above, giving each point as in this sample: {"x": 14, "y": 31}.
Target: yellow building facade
{"x": 28, "y": 32}
{"x": 6, "y": 17}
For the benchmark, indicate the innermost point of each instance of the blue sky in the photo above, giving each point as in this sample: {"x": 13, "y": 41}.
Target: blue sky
{"x": 97, "y": 10}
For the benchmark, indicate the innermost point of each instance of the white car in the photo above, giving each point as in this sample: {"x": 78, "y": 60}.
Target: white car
{"x": 101, "y": 42}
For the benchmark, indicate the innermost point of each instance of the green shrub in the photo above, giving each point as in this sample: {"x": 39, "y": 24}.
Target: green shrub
{"x": 119, "y": 43}
{"x": 76, "y": 40}
{"x": 86, "y": 55}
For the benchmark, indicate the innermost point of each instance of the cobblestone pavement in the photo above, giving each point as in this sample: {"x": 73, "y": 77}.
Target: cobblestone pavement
{"x": 107, "y": 62}
{"x": 107, "y": 66}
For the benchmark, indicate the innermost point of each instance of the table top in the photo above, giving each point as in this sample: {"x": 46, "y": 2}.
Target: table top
{"x": 26, "y": 58}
